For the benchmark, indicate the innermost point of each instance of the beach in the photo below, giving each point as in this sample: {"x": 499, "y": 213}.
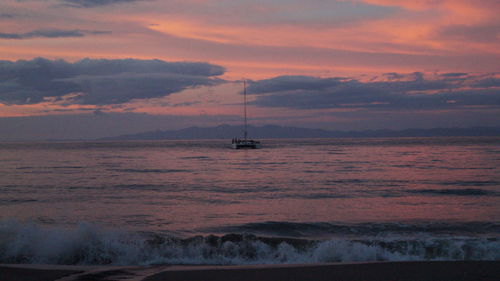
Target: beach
{"x": 370, "y": 271}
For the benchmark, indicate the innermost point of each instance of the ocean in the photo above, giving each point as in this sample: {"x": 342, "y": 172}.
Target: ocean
{"x": 293, "y": 201}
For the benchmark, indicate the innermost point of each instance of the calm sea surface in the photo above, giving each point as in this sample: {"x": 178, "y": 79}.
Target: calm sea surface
{"x": 307, "y": 200}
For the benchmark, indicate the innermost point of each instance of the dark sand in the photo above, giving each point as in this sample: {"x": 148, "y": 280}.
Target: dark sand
{"x": 30, "y": 274}
{"x": 376, "y": 271}
{"x": 383, "y": 271}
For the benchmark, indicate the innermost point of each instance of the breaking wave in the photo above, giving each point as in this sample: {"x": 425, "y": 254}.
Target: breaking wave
{"x": 89, "y": 245}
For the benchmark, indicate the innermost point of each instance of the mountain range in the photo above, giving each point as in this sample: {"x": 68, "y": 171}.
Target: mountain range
{"x": 273, "y": 131}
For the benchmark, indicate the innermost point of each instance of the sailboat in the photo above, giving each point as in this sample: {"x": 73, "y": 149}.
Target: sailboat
{"x": 245, "y": 143}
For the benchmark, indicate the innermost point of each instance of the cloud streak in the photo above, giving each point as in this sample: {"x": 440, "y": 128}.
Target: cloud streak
{"x": 51, "y": 33}
{"x": 95, "y": 3}
{"x": 99, "y": 81}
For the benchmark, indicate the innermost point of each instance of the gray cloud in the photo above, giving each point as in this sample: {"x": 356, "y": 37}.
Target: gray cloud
{"x": 99, "y": 81}
{"x": 454, "y": 74}
{"x": 393, "y": 76}
{"x": 6, "y": 16}
{"x": 293, "y": 83}
{"x": 479, "y": 33}
{"x": 399, "y": 92}
{"x": 51, "y": 33}
{"x": 95, "y": 3}
{"x": 487, "y": 82}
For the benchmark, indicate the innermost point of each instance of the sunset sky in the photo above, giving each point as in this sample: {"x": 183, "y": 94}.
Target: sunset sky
{"x": 96, "y": 68}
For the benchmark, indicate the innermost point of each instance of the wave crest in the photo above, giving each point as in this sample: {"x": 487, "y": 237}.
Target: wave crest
{"x": 89, "y": 245}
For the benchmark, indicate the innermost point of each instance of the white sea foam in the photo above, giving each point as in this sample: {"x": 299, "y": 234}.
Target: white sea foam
{"x": 88, "y": 244}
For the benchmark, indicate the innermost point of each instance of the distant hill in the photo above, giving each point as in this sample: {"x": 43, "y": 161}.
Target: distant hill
{"x": 273, "y": 131}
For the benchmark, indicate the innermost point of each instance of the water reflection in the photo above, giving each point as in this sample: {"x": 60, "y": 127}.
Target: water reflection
{"x": 185, "y": 185}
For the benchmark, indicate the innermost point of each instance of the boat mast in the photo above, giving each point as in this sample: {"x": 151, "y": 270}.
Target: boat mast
{"x": 245, "y": 102}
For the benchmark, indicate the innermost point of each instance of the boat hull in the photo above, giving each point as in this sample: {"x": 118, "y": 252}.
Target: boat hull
{"x": 246, "y": 145}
